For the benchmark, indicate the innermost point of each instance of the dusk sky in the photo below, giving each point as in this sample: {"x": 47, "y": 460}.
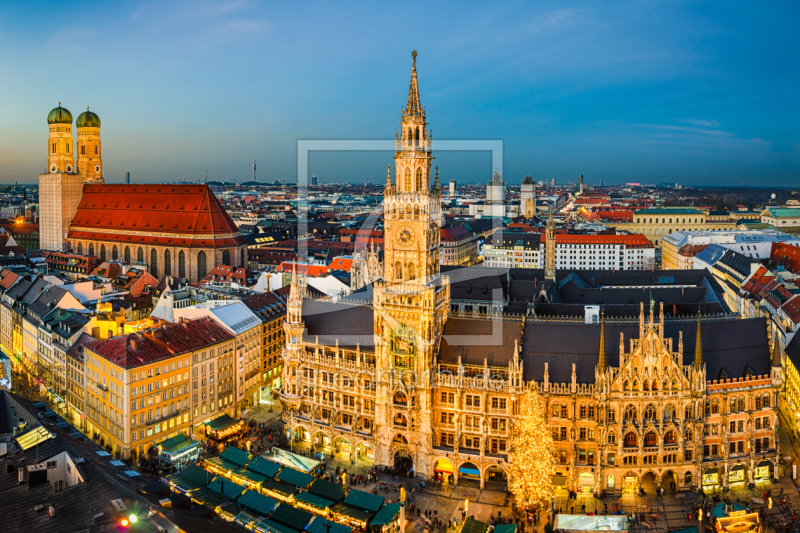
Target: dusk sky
{"x": 647, "y": 91}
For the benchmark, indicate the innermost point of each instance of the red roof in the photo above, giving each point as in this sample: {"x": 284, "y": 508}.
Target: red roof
{"x": 190, "y": 211}
{"x": 303, "y": 268}
{"x": 7, "y": 278}
{"x": 786, "y": 255}
{"x": 137, "y": 349}
{"x": 341, "y": 263}
{"x": 792, "y": 309}
{"x": 226, "y": 273}
{"x": 616, "y": 216}
{"x": 453, "y": 233}
{"x": 631, "y": 241}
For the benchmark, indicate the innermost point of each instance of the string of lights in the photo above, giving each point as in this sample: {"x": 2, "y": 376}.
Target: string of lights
{"x": 532, "y": 454}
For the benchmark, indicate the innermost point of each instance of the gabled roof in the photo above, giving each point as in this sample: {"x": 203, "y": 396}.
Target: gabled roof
{"x": 179, "y": 209}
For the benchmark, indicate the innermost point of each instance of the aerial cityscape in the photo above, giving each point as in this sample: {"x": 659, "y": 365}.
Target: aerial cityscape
{"x": 450, "y": 345}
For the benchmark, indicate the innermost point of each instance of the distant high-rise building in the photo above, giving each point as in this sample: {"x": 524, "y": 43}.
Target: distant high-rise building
{"x": 453, "y": 187}
{"x": 496, "y": 189}
{"x": 580, "y": 184}
{"x": 553, "y": 183}
{"x": 528, "y": 197}
{"x": 601, "y": 183}
{"x": 313, "y": 181}
{"x": 127, "y": 178}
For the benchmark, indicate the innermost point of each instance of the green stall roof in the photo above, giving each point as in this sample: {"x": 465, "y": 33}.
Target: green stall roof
{"x": 251, "y": 477}
{"x": 221, "y": 463}
{"x": 328, "y": 490}
{"x": 387, "y": 515}
{"x": 505, "y": 528}
{"x": 268, "y": 526}
{"x": 280, "y": 488}
{"x": 226, "y": 487}
{"x": 295, "y": 477}
{"x": 256, "y": 503}
{"x": 235, "y": 455}
{"x": 320, "y": 525}
{"x": 291, "y": 516}
{"x": 351, "y": 512}
{"x": 191, "y": 478}
{"x": 313, "y": 499}
{"x": 364, "y": 500}
{"x": 264, "y": 467}
{"x": 176, "y": 444}
{"x": 221, "y": 423}
{"x": 473, "y": 526}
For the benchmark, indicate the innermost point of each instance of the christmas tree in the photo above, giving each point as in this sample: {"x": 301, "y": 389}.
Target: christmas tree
{"x": 531, "y": 454}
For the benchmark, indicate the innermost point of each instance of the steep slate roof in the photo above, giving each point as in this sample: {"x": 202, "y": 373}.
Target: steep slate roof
{"x": 349, "y": 324}
{"x": 732, "y": 345}
{"x": 475, "y": 339}
{"x": 190, "y": 211}
{"x": 136, "y": 349}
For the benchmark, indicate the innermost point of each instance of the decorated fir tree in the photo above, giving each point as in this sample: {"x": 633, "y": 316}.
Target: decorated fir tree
{"x": 531, "y": 454}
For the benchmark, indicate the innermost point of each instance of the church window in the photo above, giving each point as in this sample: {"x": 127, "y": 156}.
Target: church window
{"x": 201, "y": 265}
{"x": 181, "y": 264}
{"x": 630, "y": 415}
{"x": 114, "y": 253}
{"x": 167, "y": 263}
{"x": 650, "y": 412}
{"x": 91, "y": 249}
{"x": 398, "y": 271}
{"x": 54, "y": 147}
{"x": 102, "y": 252}
{"x": 95, "y": 150}
{"x": 407, "y": 180}
{"x": 83, "y": 150}
{"x": 242, "y": 258}
{"x": 154, "y": 262}
{"x": 412, "y": 275}
{"x": 67, "y": 148}
{"x": 127, "y": 254}
{"x": 80, "y": 248}
{"x": 419, "y": 184}
{"x": 226, "y": 258}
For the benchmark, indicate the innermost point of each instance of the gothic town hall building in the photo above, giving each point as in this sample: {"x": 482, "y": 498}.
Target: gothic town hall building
{"x": 405, "y": 376}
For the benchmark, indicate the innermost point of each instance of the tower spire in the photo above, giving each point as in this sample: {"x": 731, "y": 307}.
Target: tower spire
{"x": 698, "y": 347}
{"x": 388, "y": 176}
{"x": 601, "y": 361}
{"x": 254, "y": 167}
{"x": 776, "y": 351}
{"x": 413, "y": 108}
{"x": 550, "y": 249}
{"x": 436, "y": 183}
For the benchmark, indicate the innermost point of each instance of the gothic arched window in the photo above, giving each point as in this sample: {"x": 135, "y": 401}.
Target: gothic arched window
{"x": 408, "y": 180}
{"x": 154, "y": 263}
{"x": 398, "y": 271}
{"x": 127, "y": 254}
{"x": 167, "y": 263}
{"x": 201, "y": 265}
{"x": 242, "y": 258}
{"x": 91, "y": 249}
{"x": 80, "y": 248}
{"x": 182, "y": 264}
{"x": 226, "y": 258}
{"x": 102, "y": 252}
{"x": 114, "y": 253}
{"x": 83, "y": 150}
{"x": 650, "y": 412}
{"x": 140, "y": 255}
{"x": 419, "y": 179}
{"x": 95, "y": 150}
{"x": 412, "y": 271}
{"x": 54, "y": 147}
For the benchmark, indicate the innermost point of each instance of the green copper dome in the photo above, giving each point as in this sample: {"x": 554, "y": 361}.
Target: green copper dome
{"x": 59, "y": 115}
{"x": 87, "y": 119}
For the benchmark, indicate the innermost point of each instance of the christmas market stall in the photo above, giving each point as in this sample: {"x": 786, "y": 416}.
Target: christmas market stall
{"x": 179, "y": 448}
{"x": 189, "y": 479}
{"x": 291, "y": 517}
{"x": 256, "y": 504}
{"x": 734, "y": 518}
{"x": 388, "y": 519}
{"x": 278, "y": 490}
{"x": 328, "y": 490}
{"x": 470, "y": 525}
{"x": 312, "y": 503}
{"x": 322, "y": 525}
{"x": 220, "y": 495}
{"x": 268, "y": 526}
{"x": 357, "y": 509}
{"x": 296, "y": 478}
{"x": 222, "y": 427}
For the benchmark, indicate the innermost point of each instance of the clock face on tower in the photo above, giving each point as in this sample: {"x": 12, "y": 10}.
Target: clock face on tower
{"x": 405, "y": 235}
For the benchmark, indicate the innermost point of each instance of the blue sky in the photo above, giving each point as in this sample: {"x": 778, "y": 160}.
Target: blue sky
{"x": 648, "y": 91}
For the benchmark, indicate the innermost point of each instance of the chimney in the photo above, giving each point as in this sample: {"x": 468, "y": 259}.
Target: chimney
{"x": 132, "y": 343}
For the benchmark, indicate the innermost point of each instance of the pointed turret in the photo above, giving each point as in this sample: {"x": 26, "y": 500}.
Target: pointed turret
{"x": 436, "y": 182}
{"x": 601, "y": 361}
{"x": 413, "y": 107}
{"x": 698, "y": 347}
{"x": 388, "y": 177}
{"x": 776, "y": 352}
{"x": 550, "y": 249}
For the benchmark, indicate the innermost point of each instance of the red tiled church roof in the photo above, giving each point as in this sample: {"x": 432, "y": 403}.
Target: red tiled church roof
{"x": 190, "y": 211}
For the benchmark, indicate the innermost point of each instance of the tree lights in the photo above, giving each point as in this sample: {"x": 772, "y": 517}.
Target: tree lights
{"x": 531, "y": 454}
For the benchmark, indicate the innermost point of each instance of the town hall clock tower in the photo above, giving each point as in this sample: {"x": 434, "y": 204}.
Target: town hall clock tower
{"x": 412, "y": 300}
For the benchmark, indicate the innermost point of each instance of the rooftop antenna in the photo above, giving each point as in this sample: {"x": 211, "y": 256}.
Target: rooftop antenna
{"x": 254, "y": 167}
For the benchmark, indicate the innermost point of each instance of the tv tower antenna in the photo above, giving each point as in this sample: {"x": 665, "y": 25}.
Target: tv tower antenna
{"x": 254, "y": 167}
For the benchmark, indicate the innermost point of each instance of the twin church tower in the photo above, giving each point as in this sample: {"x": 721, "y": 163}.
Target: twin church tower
{"x": 61, "y": 185}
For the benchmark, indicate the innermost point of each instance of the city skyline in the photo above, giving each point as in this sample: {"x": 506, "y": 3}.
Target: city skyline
{"x": 655, "y": 93}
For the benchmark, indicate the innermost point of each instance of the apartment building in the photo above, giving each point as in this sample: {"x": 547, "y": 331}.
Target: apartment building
{"x": 756, "y": 244}
{"x": 655, "y": 224}
{"x": 138, "y": 385}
